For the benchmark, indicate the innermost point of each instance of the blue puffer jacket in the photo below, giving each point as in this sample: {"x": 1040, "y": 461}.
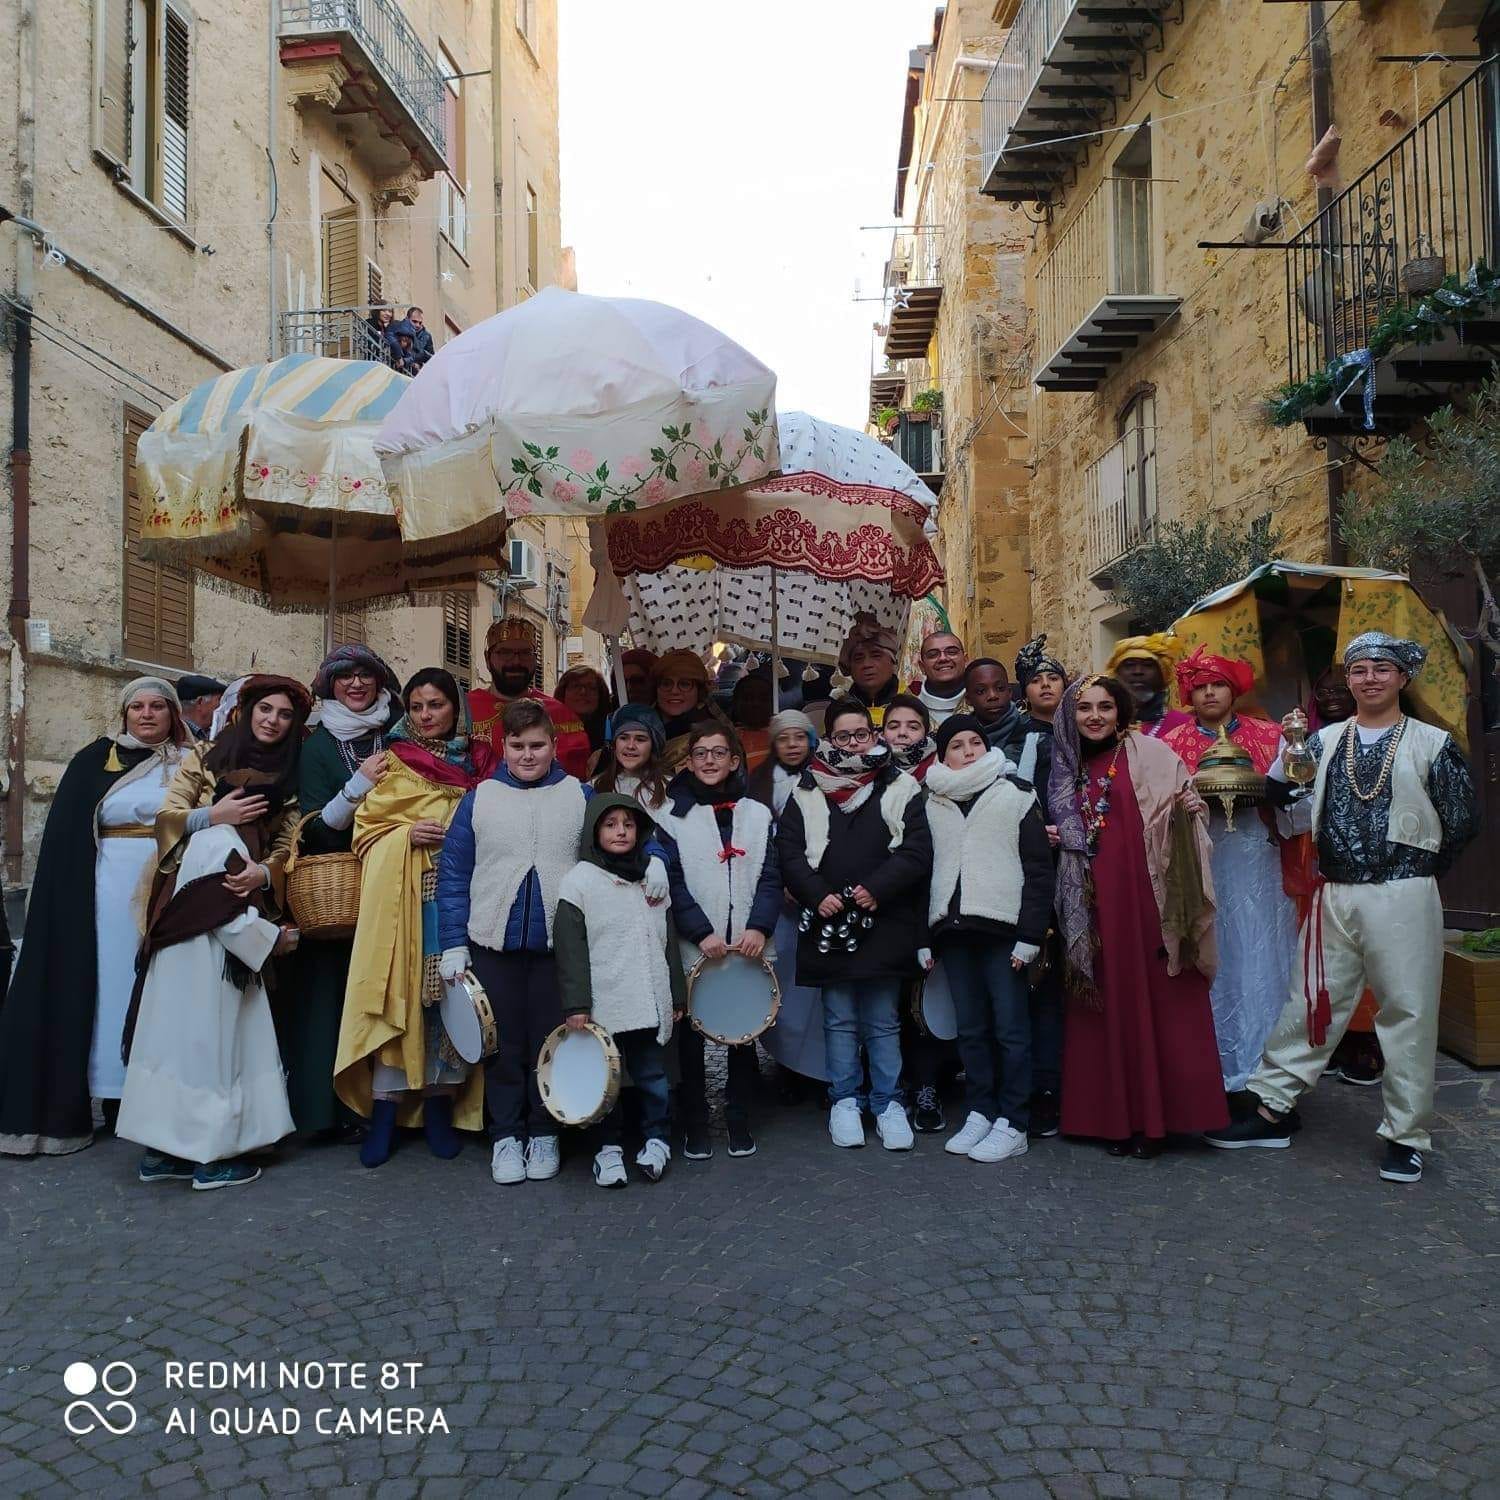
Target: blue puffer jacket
{"x": 526, "y": 926}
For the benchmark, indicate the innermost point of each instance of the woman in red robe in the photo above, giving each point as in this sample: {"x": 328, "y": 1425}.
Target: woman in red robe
{"x": 1136, "y": 915}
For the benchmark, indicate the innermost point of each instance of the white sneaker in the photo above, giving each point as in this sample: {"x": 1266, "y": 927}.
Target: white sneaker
{"x": 542, "y": 1158}
{"x": 609, "y": 1167}
{"x": 652, "y": 1159}
{"x": 972, "y": 1131}
{"x": 844, "y": 1124}
{"x": 508, "y": 1161}
{"x": 1003, "y": 1141}
{"x": 894, "y": 1129}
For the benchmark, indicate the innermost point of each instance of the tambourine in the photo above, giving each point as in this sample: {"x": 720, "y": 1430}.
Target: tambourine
{"x": 468, "y": 1018}
{"x": 732, "y": 999}
{"x": 578, "y": 1074}
{"x": 932, "y": 1005}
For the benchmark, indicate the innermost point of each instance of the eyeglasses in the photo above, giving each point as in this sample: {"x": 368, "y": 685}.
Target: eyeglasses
{"x": 357, "y": 674}
{"x": 711, "y": 752}
{"x": 846, "y": 737}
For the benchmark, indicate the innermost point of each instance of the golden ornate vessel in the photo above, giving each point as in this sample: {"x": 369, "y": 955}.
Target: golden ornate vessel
{"x": 1227, "y": 773}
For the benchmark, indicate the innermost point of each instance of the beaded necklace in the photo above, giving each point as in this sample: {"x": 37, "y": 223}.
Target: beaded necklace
{"x": 1095, "y": 812}
{"x": 1351, "y": 735}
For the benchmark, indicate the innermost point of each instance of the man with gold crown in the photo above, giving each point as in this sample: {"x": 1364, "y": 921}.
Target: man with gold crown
{"x": 1254, "y": 921}
{"x": 1392, "y": 804}
{"x": 511, "y": 654}
{"x": 1142, "y": 662}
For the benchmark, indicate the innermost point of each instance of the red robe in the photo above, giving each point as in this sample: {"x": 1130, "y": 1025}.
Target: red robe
{"x": 1259, "y": 738}
{"x": 573, "y": 748}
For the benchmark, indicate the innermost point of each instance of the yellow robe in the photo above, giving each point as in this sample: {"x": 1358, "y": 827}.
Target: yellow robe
{"x": 382, "y": 1020}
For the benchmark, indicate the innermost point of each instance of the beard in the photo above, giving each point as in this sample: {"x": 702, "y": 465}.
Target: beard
{"x": 512, "y": 682}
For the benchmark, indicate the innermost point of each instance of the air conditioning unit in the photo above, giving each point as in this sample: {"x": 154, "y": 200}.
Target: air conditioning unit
{"x": 525, "y": 564}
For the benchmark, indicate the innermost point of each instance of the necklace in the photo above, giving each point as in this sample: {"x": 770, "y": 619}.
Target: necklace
{"x": 1351, "y": 736}
{"x": 1095, "y": 812}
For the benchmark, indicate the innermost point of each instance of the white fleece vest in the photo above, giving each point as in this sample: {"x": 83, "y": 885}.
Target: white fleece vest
{"x": 627, "y": 937}
{"x": 978, "y": 855}
{"x": 517, "y": 830}
{"x": 815, "y": 814}
{"x": 1413, "y": 820}
{"x": 725, "y": 889}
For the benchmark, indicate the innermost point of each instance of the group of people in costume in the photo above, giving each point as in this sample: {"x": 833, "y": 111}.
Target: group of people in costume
{"x": 1123, "y": 964}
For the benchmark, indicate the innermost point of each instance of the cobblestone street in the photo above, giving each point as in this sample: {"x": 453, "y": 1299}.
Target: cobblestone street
{"x": 805, "y": 1321}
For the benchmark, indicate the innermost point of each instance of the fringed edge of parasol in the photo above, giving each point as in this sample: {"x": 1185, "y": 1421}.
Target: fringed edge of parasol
{"x": 417, "y": 598}
{"x": 484, "y": 536}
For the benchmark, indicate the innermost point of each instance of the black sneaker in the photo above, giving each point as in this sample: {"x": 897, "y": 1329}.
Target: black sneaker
{"x": 1046, "y": 1115}
{"x": 741, "y": 1142}
{"x": 1401, "y": 1164}
{"x": 1253, "y": 1130}
{"x": 697, "y": 1144}
{"x": 1365, "y": 1066}
{"x": 928, "y": 1118}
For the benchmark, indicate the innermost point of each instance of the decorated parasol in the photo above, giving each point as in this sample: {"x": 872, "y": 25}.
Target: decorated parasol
{"x": 783, "y": 564}
{"x": 266, "y": 481}
{"x": 1291, "y": 620}
{"x": 573, "y": 405}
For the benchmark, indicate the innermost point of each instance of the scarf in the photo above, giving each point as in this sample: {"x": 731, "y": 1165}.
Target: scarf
{"x": 456, "y": 750}
{"x": 1074, "y": 894}
{"x": 782, "y": 782}
{"x": 963, "y": 784}
{"x": 237, "y": 758}
{"x": 913, "y": 757}
{"x": 344, "y": 724}
{"x": 996, "y": 734}
{"x": 847, "y": 775}
{"x": 934, "y": 702}
{"x": 727, "y": 792}
{"x": 630, "y": 866}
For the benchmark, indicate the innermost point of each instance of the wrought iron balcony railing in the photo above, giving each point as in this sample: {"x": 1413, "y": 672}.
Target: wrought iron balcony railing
{"x": 339, "y": 332}
{"x": 387, "y": 43}
{"x": 1428, "y": 208}
{"x": 914, "y": 285}
{"x": 1119, "y": 496}
{"x": 1099, "y": 292}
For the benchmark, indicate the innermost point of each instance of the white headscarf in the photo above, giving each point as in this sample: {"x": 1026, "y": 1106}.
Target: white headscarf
{"x": 159, "y": 687}
{"x": 226, "y": 707}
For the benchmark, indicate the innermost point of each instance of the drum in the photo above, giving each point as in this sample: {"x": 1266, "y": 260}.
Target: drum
{"x": 934, "y": 1008}
{"x": 468, "y": 1018}
{"x": 733, "y": 999}
{"x": 578, "y": 1075}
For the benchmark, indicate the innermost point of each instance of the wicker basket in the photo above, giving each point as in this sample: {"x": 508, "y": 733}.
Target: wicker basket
{"x": 1422, "y": 274}
{"x": 322, "y": 890}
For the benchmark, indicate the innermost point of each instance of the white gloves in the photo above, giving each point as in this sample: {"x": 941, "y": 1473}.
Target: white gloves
{"x": 655, "y": 883}
{"x": 453, "y": 963}
{"x": 925, "y": 958}
{"x": 1025, "y": 951}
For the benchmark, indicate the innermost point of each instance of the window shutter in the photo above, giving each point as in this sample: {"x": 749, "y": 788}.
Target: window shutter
{"x": 458, "y": 635}
{"x": 341, "y": 280}
{"x": 112, "y": 79}
{"x": 349, "y": 628}
{"x": 157, "y": 603}
{"x": 374, "y": 284}
{"x": 174, "y": 122}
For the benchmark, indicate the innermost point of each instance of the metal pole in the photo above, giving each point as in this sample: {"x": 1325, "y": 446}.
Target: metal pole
{"x": 775, "y": 651}
{"x": 333, "y": 578}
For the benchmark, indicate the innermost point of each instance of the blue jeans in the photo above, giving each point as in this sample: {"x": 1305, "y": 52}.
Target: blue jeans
{"x": 647, "y": 1060}
{"x": 863, "y": 1013}
{"x": 993, "y": 1007}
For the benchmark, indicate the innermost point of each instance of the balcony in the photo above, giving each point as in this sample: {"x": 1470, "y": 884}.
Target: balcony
{"x": 1119, "y": 498}
{"x": 361, "y": 60}
{"x": 338, "y": 332}
{"x": 1097, "y": 292}
{"x": 913, "y": 282}
{"x": 918, "y": 442}
{"x": 1065, "y": 67}
{"x": 1428, "y": 209}
{"x": 886, "y": 389}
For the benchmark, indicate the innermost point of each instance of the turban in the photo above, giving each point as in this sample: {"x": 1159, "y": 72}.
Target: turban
{"x": 1202, "y": 666}
{"x": 681, "y": 664}
{"x": 511, "y": 631}
{"x": 343, "y": 659}
{"x": 157, "y": 685}
{"x": 793, "y": 718}
{"x": 1034, "y": 657}
{"x": 1162, "y": 648}
{"x": 868, "y": 631}
{"x": 1376, "y": 645}
{"x": 638, "y": 716}
{"x": 957, "y": 724}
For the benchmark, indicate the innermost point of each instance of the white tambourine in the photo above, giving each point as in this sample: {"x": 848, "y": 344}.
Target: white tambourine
{"x": 578, "y": 1074}
{"x": 733, "y": 999}
{"x": 468, "y": 1018}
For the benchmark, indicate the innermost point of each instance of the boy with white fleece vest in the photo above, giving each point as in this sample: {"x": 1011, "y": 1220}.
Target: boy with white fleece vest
{"x": 617, "y": 965}
{"x": 988, "y": 907}
{"x": 726, "y": 897}
{"x": 511, "y": 842}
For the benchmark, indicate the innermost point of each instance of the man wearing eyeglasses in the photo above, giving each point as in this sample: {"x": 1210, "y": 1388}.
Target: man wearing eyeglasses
{"x": 941, "y": 686}
{"x": 512, "y": 653}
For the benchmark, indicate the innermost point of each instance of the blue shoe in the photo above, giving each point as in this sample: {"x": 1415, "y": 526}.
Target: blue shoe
{"x": 381, "y": 1141}
{"x": 157, "y": 1166}
{"x": 437, "y": 1126}
{"x": 219, "y": 1174}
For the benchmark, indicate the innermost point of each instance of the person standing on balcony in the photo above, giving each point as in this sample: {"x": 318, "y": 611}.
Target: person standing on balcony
{"x": 1142, "y": 662}
{"x": 941, "y": 686}
{"x": 1392, "y": 805}
{"x": 380, "y": 321}
{"x": 512, "y": 649}
{"x": 421, "y": 339}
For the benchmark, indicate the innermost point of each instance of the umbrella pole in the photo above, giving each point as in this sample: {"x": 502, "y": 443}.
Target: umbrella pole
{"x": 618, "y": 663}
{"x": 333, "y": 575}
{"x": 775, "y": 650}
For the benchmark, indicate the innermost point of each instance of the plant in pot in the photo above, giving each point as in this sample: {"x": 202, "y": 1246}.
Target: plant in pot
{"x": 925, "y": 403}
{"x": 887, "y": 419}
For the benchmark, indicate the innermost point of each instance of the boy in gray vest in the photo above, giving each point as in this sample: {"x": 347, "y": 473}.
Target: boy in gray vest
{"x": 1391, "y": 805}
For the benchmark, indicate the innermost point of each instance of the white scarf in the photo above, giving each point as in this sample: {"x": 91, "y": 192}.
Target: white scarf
{"x": 343, "y": 723}
{"x": 938, "y": 706}
{"x": 782, "y": 782}
{"x": 960, "y": 783}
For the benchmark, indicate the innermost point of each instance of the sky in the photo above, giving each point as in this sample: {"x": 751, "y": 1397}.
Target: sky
{"x": 723, "y": 158}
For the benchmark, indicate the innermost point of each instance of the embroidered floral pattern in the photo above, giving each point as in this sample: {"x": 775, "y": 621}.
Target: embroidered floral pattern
{"x": 687, "y": 456}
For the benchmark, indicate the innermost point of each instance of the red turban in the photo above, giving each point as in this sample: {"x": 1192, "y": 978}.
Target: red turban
{"x": 1202, "y": 666}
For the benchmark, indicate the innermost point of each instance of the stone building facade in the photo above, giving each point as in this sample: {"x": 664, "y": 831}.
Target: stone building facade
{"x": 221, "y": 185}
